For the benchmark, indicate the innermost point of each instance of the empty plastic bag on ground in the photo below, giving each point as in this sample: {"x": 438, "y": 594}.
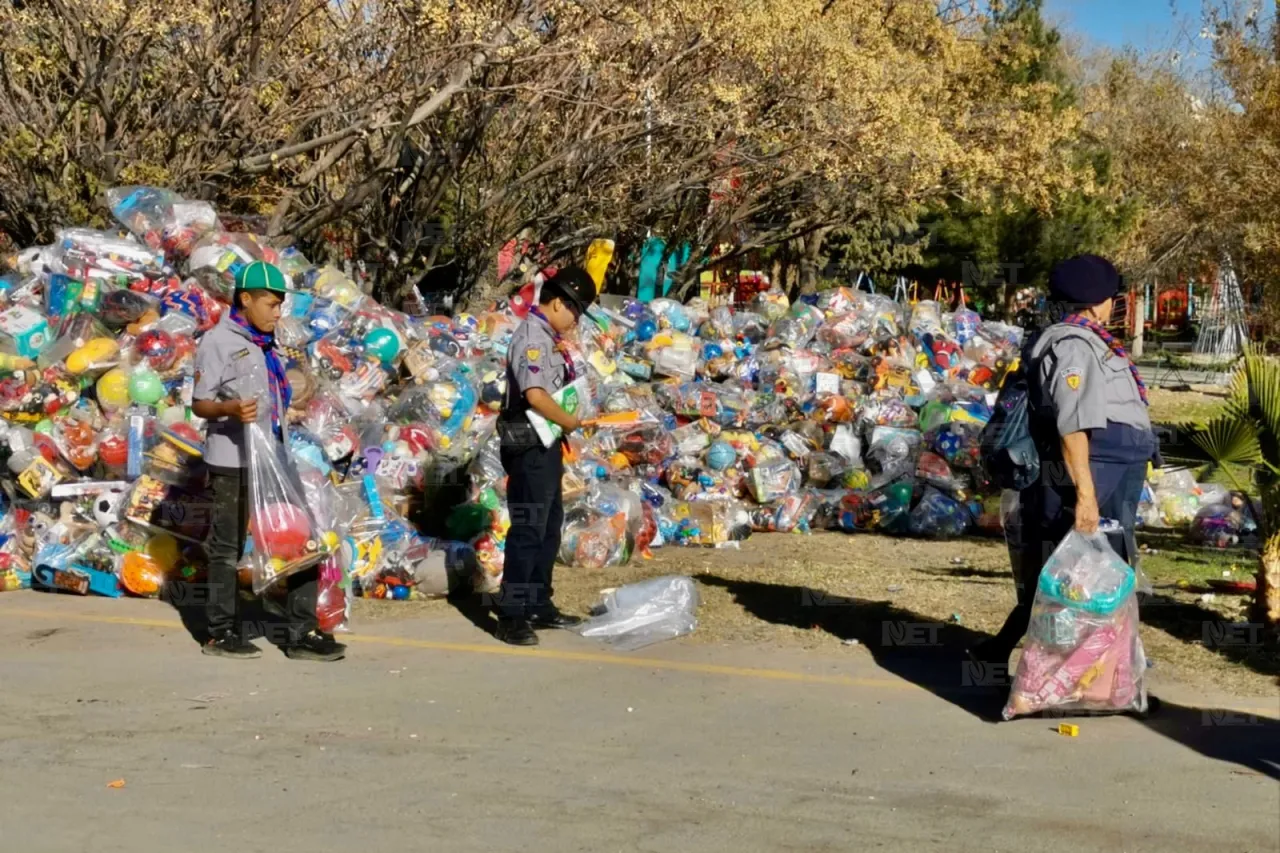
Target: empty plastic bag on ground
{"x": 1082, "y": 651}
{"x": 641, "y": 614}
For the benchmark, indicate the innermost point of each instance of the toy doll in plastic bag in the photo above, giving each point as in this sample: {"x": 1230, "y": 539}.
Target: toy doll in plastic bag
{"x": 1082, "y": 650}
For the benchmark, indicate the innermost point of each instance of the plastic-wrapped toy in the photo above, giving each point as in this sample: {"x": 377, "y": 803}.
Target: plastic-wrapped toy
{"x": 797, "y": 327}
{"x": 1082, "y": 651}
{"x": 939, "y": 516}
{"x": 162, "y": 219}
{"x": 218, "y": 257}
{"x": 774, "y": 480}
{"x": 286, "y": 538}
{"x": 884, "y": 509}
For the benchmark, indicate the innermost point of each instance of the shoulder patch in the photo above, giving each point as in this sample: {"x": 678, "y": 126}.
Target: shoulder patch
{"x": 533, "y": 353}
{"x": 1071, "y": 376}
{"x": 239, "y": 354}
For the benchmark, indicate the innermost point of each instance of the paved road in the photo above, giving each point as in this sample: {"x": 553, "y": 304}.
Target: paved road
{"x": 431, "y": 736}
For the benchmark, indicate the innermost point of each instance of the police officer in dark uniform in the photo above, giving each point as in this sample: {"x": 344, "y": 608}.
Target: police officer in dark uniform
{"x": 539, "y": 363}
{"x": 1089, "y": 420}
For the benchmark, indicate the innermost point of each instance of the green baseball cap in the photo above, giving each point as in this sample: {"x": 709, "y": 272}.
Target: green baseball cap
{"x": 261, "y": 275}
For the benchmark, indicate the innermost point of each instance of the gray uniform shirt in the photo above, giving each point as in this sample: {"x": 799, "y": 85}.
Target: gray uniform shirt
{"x": 230, "y": 366}
{"x": 533, "y": 361}
{"x": 1083, "y": 382}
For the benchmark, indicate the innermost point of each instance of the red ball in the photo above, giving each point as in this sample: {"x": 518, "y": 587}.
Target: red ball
{"x": 280, "y": 530}
{"x": 114, "y": 451}
{"x": 48, "y": 449}
{"x": 157, "y": 347}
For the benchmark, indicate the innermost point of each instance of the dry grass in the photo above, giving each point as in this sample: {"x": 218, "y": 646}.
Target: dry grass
{"x": 1183, "y": 407}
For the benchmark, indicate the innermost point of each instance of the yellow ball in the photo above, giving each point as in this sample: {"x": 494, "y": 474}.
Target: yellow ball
{"x": 113, "y": 389}
{"x": 96, "y": 351}
{"x": 164, "y": 549}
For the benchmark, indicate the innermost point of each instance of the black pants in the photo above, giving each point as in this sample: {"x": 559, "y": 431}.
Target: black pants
{"x": 537, "y": 514}
{"x": 1047, "y": 515}
{"x": 230, "y": 488}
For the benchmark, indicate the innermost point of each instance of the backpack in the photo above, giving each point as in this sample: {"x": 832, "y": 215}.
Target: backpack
{"x": 1009, "y": 454}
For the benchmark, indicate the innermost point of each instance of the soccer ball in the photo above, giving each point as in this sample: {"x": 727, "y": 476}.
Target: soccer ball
{"x": 106, "y": 508}
{"x": 493, "y": 387}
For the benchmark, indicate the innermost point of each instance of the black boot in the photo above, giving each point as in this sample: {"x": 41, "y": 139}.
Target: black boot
{"x": 551, "y": 617}
{"x": 316, "y": 645}
{"x": 229, "y": 644}
{"x": 516, "y": 632}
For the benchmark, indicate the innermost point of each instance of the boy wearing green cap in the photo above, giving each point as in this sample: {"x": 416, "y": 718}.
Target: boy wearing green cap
{"x": 236, "y": 366}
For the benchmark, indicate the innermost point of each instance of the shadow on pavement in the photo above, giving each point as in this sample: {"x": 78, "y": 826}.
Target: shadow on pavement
{"x": 1251, "y": 741}
{"x": 476, "y": 609}
{"x": 261, "y": 618}
{"x": 925, "y": 652}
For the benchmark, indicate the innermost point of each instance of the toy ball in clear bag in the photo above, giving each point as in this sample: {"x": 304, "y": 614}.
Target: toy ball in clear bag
{"x": 281, "y": 531}
{"x": 383, "y": 344}
{"x": 157, "y": 347}
{"x": 678, "y": 317}
{"x": 493, "y": 388}
{"x": 646, "y": 329}
{"x": 721, "y": 455}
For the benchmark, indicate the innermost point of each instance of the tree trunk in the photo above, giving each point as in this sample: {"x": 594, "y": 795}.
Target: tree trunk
{"x": 810, "y": 259}
{"x": 1266, "y": 603}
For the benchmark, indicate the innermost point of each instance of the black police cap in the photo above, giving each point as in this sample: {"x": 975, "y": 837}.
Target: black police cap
{"x": 1084, "y": 280}
{"x": 574, "y": 286}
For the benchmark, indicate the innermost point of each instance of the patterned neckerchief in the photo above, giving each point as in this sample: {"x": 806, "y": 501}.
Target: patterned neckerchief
{"x": 281, "y": 393}
{"x": 562, "y": 346}
{"x": 1115, "y": 346}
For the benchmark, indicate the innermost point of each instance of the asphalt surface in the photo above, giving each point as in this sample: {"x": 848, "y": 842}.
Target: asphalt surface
{"x": 432, "y": 736}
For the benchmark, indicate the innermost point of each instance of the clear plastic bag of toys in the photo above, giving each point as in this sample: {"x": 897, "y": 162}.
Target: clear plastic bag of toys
{"x": 641, "y": 614}
{"x": 1082, "y": 650}
{"x": 445, "y": 404}
{"x": 83, "y": 345}
{"x": 282, "y": 522}
{"x": 190, "y": 300}
{"x": 676, "y": 361}
{"x": 885, "y": 509}
{"x": 773, "y": 480}
{"x": 796, "y": 328}
{"x": 217, "y": 257}
{"x": 875, "y": 412}
{"x": 721, "y": 403}
{"x": 94, "y": 258}
{"x": 791, "y": 514}
{"x": 161, "y": 218}
{"x": 939, "y": 516}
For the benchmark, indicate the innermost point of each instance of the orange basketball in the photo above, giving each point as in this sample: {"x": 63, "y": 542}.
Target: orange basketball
{"x": 141, "y": 575}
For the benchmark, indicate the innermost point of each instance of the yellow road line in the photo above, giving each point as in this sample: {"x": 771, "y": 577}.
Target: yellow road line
{"x": 758, "y": 673}
{"x": 542, "y": 653}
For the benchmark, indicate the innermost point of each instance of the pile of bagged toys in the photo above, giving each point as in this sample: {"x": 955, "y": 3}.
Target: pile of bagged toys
{"x": 853, "y": 413}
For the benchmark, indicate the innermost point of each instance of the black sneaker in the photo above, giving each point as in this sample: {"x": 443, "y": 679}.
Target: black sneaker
{"x": 230, "y": 645}
{"x": 516, "y": 632}
{"x": 316, "y": 645}
{"x": 553, "y": 618}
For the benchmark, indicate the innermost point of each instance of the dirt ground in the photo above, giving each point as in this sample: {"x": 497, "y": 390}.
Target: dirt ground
{"x": 829, "y": 589}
